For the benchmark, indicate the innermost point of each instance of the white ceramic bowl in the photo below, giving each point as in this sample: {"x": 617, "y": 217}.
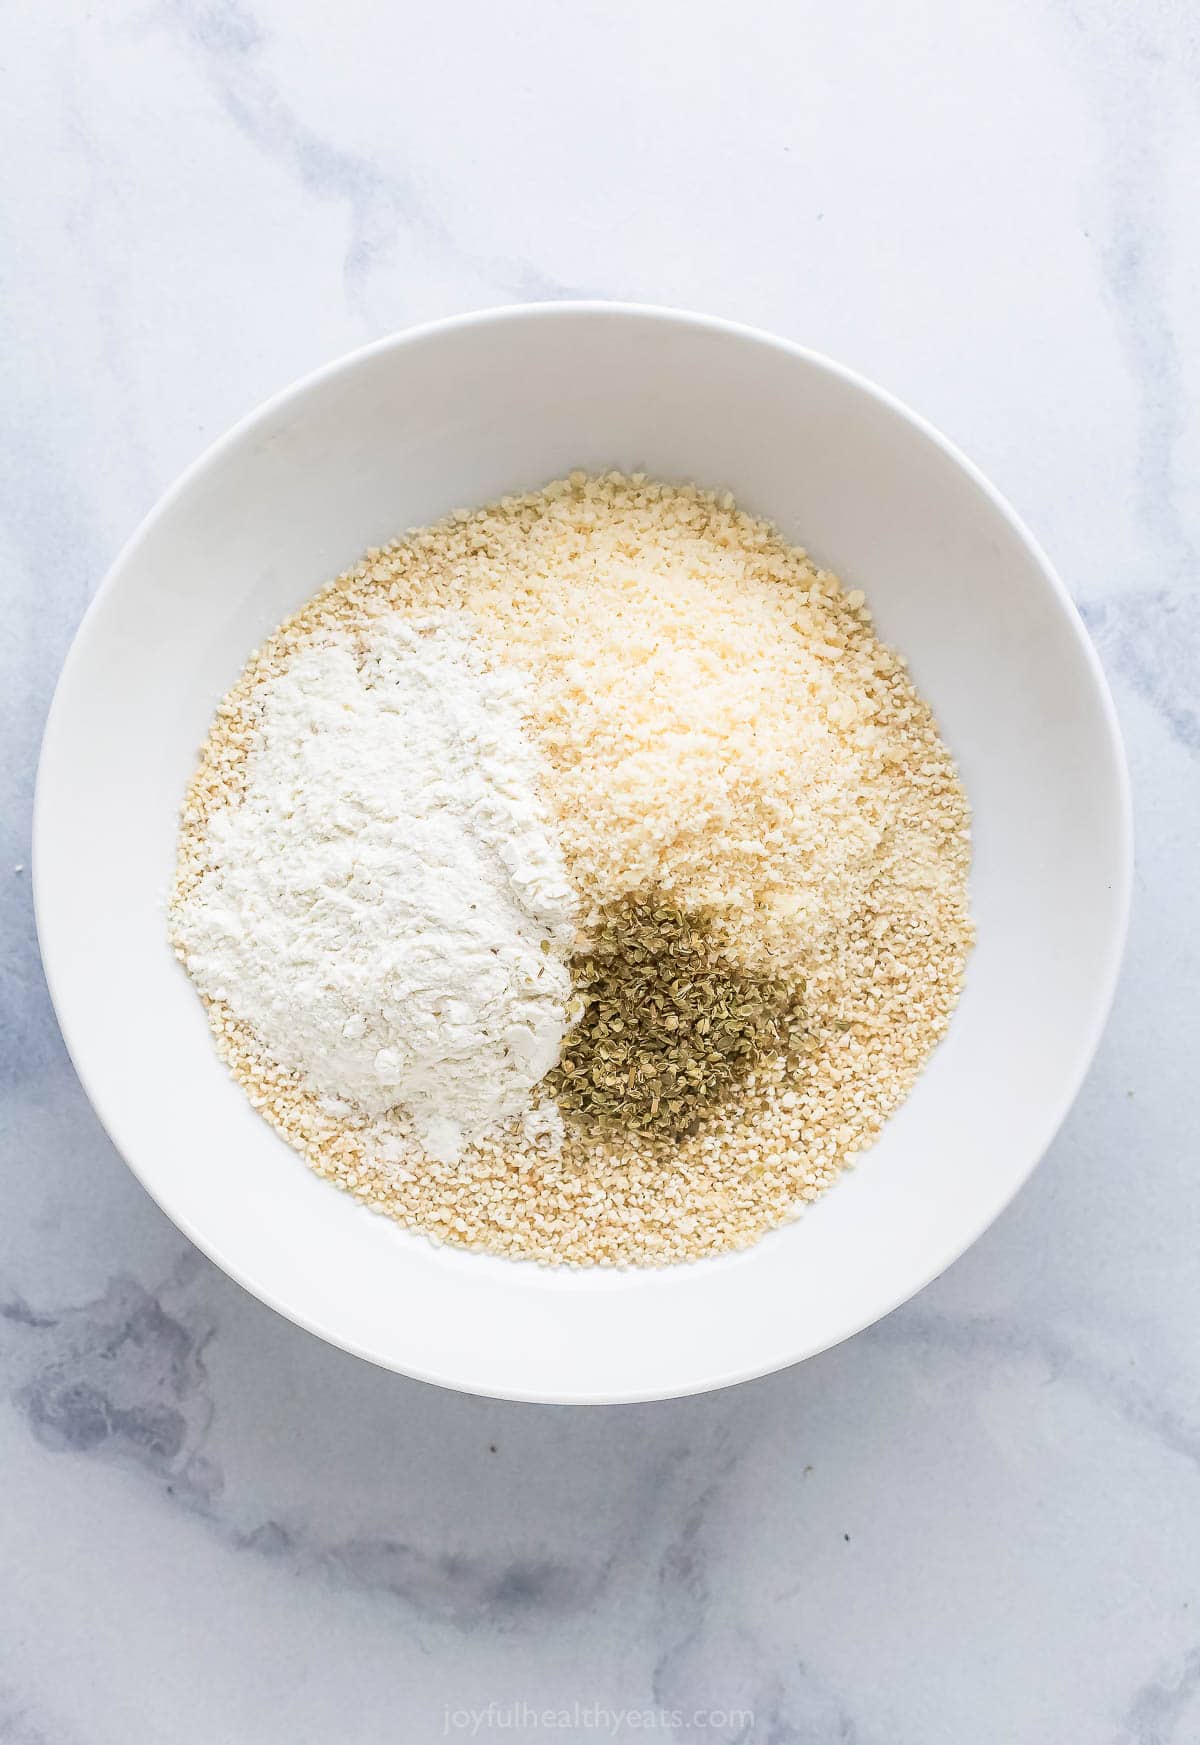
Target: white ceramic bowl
{"x": 457, "y": 414}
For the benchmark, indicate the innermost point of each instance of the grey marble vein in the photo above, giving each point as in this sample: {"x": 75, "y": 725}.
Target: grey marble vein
{"x": 1153, "y": 639}
{"x": 387, "y": 209}
{"x": 779, "y": 1700}
{"x": 20, "y": 1724}
{"x": 123, "y": 1379}
{"x": 381, "y": 205}
{"x": 1159, "y": 1712}
{"x": 971, "y": 1339}
{"x": 1151, "y": 631}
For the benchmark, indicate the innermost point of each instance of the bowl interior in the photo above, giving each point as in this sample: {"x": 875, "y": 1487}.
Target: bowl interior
{"x": 453, "y": 416}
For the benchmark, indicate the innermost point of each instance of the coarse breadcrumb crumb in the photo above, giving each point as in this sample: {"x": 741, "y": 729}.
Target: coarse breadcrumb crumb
{"x": 718, "y": 720}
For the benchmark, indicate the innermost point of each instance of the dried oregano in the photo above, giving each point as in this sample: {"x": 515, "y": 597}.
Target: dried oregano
{"x": 667, "y": 1023}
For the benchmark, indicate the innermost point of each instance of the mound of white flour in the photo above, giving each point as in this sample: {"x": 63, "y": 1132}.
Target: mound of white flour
{"x": 387, "y": 907}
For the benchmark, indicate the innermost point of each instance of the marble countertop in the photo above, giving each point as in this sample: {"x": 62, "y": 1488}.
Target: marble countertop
{"x": 977, "y": 1522}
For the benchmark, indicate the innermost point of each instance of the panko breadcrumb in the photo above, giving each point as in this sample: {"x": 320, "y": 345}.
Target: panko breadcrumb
{"x": 718, "y": 721}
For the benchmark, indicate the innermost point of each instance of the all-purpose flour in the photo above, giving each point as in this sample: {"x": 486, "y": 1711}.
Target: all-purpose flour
{"x": 387, "y": 906}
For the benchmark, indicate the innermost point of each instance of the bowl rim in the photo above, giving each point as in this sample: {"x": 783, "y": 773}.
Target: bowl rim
{"x": 498, "y": 316}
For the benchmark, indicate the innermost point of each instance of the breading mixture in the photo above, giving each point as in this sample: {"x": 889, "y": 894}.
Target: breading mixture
{"x": 765, "y": 847}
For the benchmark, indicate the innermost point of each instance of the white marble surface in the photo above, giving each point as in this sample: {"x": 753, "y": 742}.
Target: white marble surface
{"x": 976, "y": 1524}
